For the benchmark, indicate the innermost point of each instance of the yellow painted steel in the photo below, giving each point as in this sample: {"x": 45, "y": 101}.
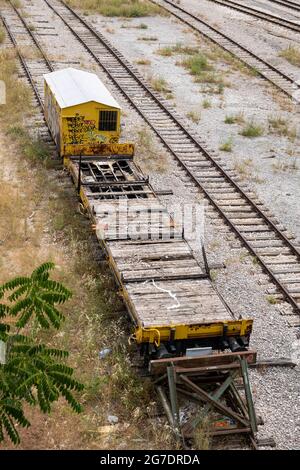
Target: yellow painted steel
{"x": 125, "y": 149}
{"x": 158, "y": 334}
{"x": 75, "y": 129}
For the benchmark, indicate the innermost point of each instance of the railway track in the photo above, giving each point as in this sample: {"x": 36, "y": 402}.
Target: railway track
{"x": 288, "y": 4}
{"x": 264, "y": 237}
{"x": 262, "y": 15}
{"x": 274, "y": 75}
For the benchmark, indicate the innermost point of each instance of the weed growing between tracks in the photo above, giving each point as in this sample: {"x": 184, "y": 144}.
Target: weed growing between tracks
{"x": 40, "y": 221}
{"x": 123, "y": 8}
{"x": 148, "y": 151}
{"x": 252, "y": 129}
{"x": 292, "y": 55}
{"x": 200, "y": 65}
{"x": 227, "y": 145}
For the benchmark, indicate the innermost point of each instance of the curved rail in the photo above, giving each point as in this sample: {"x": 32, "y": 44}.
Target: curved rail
{"x": 291, "y": 25}
{"x": 266, "y": 70}
{"x": 287, "y": 4}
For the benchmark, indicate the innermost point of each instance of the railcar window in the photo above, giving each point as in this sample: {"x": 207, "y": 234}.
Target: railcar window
{"x": 108, "y": 120}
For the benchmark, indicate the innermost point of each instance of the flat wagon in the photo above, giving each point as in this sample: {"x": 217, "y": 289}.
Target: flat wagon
{"x": 82, "y": 115}
{"x": 184, "y": 330}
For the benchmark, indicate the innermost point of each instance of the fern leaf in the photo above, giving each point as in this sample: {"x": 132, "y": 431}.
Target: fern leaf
{"x": 10, "y": 429}
{"x": 14, "y": 283}
{"x": 42, "y": 269}
{"x": 71, "y": 400}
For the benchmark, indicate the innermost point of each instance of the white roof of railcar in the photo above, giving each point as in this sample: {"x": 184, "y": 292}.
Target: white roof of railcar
{"x": 72, "y": 87}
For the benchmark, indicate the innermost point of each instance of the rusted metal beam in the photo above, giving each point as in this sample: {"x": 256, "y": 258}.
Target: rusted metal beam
{"x": 215, "y": 403}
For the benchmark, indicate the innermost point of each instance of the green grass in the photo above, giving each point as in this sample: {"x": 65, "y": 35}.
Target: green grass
{"x": 197, "y": 65}
{"x": 234, "y": 118}
{"x": 252, "y": 130}
{"x": 165, "y": 51}
{"x": 271, "y": 299}
{"x": 143, "y": 62}
{"x": 16, "y": 90}
{"x": 206, "y": 104}
{"x": 292, "y": 55}
{"x": 95, "y": 308}
{"x": 177, "y": 49}
{"x": 226, "y": 146}
{"x": 122, "y": 8}
{"x": 203, "y": 72}
{"x": 35, "y": 149}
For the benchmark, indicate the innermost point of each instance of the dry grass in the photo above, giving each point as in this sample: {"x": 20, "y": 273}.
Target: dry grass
{"x": 148, "y": 155}
{"x": 284, "y": 102}
{"x": 147, "y": 38}
{"x": 291, "y": 54}
{"x": 29, "y": 53}
{"x": 280, "y": 126}
{"x": 216, "y": 53}
{"x": 247, "y": 171}
{"x": 177, "y": 49}
{"x": 143, "y": 61}
{"x": 244, "y": 168}
{"x": 252, "y": 129}
{"x": 206, "y": 104}
{"x": 123, "y": 8}
{"x": 201, "y": 434}
{"x": 227, "y": 145}
{"x": 2, "y": 35}
{"x": 39, "y": 222}
{"x": 271, "y": 299}
{"x": 199, "y": 64}
{"x": 286, "y": 163}
{"x": 159, "y": 84}
{"x": 17, "y": 3}
{"x": 237, "y": 118}
{"x": 16, "y": 91}
{"x": 203, "y": 72}
{"x": 194, "y": 116}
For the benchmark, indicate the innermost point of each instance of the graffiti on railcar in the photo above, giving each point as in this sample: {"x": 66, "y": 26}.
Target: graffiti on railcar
{"x": 81, "y": 131}
{"x": 75, "y": 125}
{"x": 52, "y": 114}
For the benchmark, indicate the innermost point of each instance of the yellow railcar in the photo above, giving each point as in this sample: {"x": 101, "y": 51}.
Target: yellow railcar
{"x": 84, "y": 120}
{"x": 82, "y": 115}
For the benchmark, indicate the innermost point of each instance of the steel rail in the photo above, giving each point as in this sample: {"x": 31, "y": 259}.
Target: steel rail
{"x": 291, "y": 25}
{"x": 158, "y": 101}
{"x": 232, "y": 42}
{"x": 287, "y": 4}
